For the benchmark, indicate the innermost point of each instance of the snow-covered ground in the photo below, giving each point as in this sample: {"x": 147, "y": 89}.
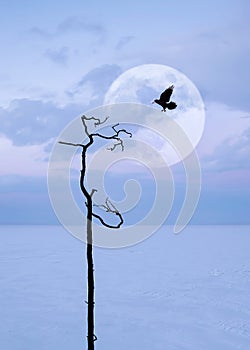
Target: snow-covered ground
{"x": 185, "y": 292}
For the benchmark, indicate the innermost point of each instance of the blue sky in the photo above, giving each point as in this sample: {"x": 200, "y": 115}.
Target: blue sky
{"x": 59, "y": 58}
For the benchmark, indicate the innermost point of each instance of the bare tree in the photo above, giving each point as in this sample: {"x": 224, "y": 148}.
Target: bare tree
{"x": 108, "y": 206}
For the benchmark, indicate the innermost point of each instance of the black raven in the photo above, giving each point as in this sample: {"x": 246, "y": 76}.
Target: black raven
{"x": 164, "y": 99}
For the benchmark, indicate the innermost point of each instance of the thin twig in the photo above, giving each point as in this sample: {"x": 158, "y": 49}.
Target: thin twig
{"x": 71, "y": 144}
{"x": 109, "y": 208}
{"x": 120, "y": 143}
{"x": 92, "y": 192}
{"x": 97, "y": 120}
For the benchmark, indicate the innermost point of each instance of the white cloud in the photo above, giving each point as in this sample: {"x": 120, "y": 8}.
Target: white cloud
{"x": 222, "y": 123}
{"x": 25, "y": 160}
{"x": 225, "y": 144}
{"x": 29, "y": 122}
{"x": 232, "y": 154}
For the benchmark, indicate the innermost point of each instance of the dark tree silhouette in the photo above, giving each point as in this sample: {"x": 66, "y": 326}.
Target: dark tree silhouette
{"x": 107, "y": 207}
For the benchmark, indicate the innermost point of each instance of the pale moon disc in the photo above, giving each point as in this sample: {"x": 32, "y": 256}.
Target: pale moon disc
{"x": 144, "y": 83}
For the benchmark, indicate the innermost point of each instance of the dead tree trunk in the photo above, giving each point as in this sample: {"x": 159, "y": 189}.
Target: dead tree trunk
{"x": 107, "y": 207}
{"x": 91, "y": 281}
{"x": 90, "y": 261}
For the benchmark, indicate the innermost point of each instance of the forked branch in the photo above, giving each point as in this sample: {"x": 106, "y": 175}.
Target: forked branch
{"x": 97, "y": 122}
{"x": 115, "y": 136}
{"x": 108, "y": 206}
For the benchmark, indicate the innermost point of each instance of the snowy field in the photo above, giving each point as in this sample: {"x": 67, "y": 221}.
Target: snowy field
{"x": 185, "y": 292}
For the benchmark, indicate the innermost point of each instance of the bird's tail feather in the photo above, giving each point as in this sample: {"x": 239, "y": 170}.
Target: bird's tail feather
{"x": 171, "y": 105}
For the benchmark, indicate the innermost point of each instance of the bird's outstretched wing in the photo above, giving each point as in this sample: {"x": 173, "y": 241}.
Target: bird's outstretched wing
{"x": 165, "y": 96}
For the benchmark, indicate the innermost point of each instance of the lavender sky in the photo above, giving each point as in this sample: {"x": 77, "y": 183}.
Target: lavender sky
{"x": 58, "y": 59}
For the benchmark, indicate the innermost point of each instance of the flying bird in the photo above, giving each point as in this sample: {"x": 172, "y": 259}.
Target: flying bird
{"x": 164, "y": 99}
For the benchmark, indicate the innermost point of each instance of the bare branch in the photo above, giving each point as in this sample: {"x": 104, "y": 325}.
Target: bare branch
{"x": 92, "y": 192}
{"x": 71, "y": 144}
{"x": 109, "y": 208}
{"x": 85, "y": 125}
{"x": 107, "y": 225}
{"x": 96, "y": 123}
{"x": 119, "y": 143}
{"x": 121, "y": 130}
{"x": 114, "y": 137}
{"x": 114, "y": 126}
{"x": 110, "y": 204}
{"x": 98, "y": 120}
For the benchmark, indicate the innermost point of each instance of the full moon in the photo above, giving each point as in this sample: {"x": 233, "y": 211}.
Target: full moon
{"x": 144, "y": 83}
